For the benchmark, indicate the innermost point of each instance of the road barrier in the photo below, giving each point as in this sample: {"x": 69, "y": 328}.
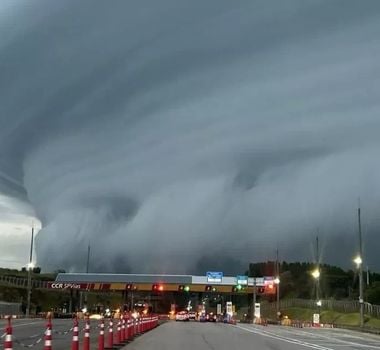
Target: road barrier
{"x": 110, "y": 335}
{"x": 75, "y": 341}
{"x": 122, "y": 337}
{"x": 127, "y": 328}
{"x": 101, "y": 335}
{"x": 117, "y": 341}
{"x": 8, "y": 345}
{"x": 48, "y": 336}
{"x": 86, "y": 340}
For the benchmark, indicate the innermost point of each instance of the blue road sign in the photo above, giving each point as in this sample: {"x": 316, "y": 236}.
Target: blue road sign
{"x": 243, "y": 280}
{"x": 214, "y": 277}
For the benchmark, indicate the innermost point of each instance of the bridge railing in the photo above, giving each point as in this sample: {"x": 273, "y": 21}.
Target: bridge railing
{"x": 22, "y": 282}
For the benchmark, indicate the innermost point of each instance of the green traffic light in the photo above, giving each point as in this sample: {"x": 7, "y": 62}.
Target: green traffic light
{"x": 187, "y": 288}
{"x": 238, "y": 287}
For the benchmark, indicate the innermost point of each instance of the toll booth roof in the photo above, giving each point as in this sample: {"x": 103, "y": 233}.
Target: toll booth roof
{"x": 149, "y": 278}
{"x": 122, "y": 278}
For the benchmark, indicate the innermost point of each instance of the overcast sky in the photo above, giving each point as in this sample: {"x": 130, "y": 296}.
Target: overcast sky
{"x": 180, "y": 136}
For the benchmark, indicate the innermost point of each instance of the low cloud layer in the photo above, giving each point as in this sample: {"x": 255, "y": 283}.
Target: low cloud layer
{"x": 163, "y": 133}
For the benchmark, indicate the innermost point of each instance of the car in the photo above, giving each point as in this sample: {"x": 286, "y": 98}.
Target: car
{"x": 182, "y": 316}
{"x": 211, "y": 317}
{"x": 192, "y": 315}
{"x": 202, "y": 317}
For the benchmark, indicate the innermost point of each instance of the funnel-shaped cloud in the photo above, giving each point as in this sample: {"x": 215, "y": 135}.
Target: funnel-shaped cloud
{"x": 163, "y": 133}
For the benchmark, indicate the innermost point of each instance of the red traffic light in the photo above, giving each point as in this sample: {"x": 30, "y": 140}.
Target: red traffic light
{"x": 157, "y": 287}
{"x": 210, "y": 289}
{"x": 131, "y": 287}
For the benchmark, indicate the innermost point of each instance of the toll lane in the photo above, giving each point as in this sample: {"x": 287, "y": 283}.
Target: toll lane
{"x": 31, "y": 332}
{"x": 206, "y": 336}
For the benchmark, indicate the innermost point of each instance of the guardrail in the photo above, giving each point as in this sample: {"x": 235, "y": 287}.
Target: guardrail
{"x": 22, "y": 282}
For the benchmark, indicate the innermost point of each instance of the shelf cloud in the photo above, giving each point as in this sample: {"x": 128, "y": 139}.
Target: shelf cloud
{"x": 170, "y": 135}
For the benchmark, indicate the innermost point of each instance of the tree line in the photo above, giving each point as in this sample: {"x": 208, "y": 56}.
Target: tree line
{"x": 296, "y": 281}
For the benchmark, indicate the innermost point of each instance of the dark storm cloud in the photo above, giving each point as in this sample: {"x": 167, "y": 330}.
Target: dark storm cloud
{"x": 163, "y": 133}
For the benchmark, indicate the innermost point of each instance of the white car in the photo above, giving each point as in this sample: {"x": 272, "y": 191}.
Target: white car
{"x": 192, "y": 315}
{"x": 182, "y": 316}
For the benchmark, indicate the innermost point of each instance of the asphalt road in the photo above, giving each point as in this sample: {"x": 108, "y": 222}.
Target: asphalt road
{"x": 205, "y": 336}
{"x": 210, "y": 336}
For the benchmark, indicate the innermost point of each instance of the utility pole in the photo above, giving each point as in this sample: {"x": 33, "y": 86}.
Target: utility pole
{"x": 367, "y": 275}
{"x": 254, "y": 300}
{"x": 361, "y": 298}
{"x": 30, "y": 268}
{"x": 318, "y": 267}
{"x": 277, "y": 282}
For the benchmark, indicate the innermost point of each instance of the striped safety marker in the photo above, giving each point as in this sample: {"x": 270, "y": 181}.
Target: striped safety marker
{"x": 122, "y": 329}
{"x": 101, "y": 335}
{"x": 75, "y": 341}
{"x": 86, "y": 340}
{"x": 8, "y": 345}
{"x": 110, "y": 334}
{"x": 48, "y": 337}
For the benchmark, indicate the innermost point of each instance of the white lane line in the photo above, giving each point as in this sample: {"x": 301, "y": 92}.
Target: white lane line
{"x": 25, "y": 324}
{"x": 330, "y": 337}
{"x": 285, "y": 339}
{"x": 339, "y": 340}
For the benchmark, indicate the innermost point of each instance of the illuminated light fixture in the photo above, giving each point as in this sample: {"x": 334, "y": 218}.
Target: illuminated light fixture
{"x": 131, "y": 287}
{"x": 316, "y": 273}
{"x": 210, "y": 289}
{"x": 183, "y": 288}
{"x": 277, "y": 280}
{"x": 157, "y": 287}
{"x": 358, "y": 260}
{"x": 237, "y": 288}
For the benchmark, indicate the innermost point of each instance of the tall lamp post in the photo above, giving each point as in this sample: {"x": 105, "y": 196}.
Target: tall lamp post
{"x": 277, "y": 283}
{"x": 361, "y": 294}
{"x": 317, "y": 274}
{"x": 359, "y": 264}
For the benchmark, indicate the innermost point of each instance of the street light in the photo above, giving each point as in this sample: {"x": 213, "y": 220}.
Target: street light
{"x": 316, "y": 274}
{"x": 358, "y": 261}
{"x": 277, "y": 283}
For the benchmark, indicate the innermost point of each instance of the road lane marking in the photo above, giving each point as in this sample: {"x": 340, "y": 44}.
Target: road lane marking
{"x": 336, "y": 339}
{"x": 285, "y": 339}
{"x": 25, "y": 324}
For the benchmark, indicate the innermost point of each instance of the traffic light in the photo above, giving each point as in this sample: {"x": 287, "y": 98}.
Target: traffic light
{"x": 183, "y": 288}
{"x": 261, "y": 290}
{"x": 157, "y": 287}
{"x": 237, "y": 288}
{"x": 131, "y": 287}
{"x": 210, "y": 289}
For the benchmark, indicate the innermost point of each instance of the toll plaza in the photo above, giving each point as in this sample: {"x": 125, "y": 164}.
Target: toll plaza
{"x": 162, "y": 291}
